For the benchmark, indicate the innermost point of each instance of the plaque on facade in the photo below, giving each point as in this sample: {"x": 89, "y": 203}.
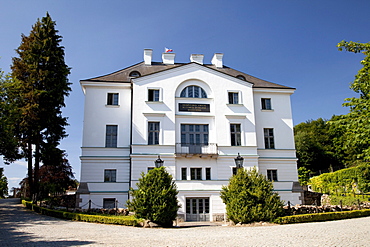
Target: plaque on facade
{"x": 194, "y": 107}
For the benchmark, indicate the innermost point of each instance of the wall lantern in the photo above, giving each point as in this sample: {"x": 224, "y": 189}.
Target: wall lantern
{"x": 239, "y": 161}
{"x": 158, "y": 162}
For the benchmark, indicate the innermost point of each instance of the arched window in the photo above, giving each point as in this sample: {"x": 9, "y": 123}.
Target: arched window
{"x": 193, "y": 92}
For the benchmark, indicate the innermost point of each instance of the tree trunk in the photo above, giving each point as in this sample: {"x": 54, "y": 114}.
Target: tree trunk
{"x": 30, "y": 173}
{"x": 37, "y": 168}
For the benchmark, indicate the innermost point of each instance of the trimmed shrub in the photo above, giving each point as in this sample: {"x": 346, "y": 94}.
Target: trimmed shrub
{"x": 249, "y": 197}
{"x": 322, "y": 217}
{"x": 117, "y": 220}
{"x": 156, "y": 198}
{"x": 351, "y": 180}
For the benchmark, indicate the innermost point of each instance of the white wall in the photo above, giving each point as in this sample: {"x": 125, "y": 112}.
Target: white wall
{"x": 98, "y": 114}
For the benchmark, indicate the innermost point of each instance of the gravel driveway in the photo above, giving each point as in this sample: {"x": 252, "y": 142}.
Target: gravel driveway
{"x": 20, "y": 227}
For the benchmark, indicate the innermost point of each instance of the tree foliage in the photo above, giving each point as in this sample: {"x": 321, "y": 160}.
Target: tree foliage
{"x": 35, "y": 95}
{"x": 8, "y": 142}
{"x": 156, "y": 197}
{"x": 3, "y": 184}
{"x": 318, "y": 146}
{"x": 56, "y": 173}
{"x": 249, "y": 197}
{"x": 356, "y": 124}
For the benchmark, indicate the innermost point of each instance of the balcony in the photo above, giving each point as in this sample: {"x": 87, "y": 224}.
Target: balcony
{"x": 202, "y": 149}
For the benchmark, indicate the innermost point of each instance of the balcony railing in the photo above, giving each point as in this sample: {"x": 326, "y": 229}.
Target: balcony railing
{"x": 196, "y": 148}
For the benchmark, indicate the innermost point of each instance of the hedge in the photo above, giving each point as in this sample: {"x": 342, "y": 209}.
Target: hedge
{"x": 354, "y": 180}
{"x": 322, "y": 216}
{"x": 117, "y": 220}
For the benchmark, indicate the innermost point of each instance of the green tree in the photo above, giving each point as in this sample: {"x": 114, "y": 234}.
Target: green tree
{"x": 303, "y": 175}
{"x": 155, "y": 198}
{"x": 56, "y": 173}
{"x": 314, "y": 141}
{"x": 356, "y": 137}
{"x": 3, "y": 184}
{"x": 37, "y": 94}
{"x": 8, "y": 142}
{"x": 249, "y": 197}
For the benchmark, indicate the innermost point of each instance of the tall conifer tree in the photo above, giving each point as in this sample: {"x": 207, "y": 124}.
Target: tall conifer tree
{"x": 39, "y": 88}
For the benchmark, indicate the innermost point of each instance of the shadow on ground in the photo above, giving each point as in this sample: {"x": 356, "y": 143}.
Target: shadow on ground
{"x": 13, "y": 216}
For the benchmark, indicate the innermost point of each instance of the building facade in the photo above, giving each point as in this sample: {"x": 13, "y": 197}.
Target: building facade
{"x": 197, "y": 117}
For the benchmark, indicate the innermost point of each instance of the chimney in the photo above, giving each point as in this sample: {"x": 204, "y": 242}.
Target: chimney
{"x": 168, "y": 58}
{"x": 148, "y": 56}
{"x": 217, "y": 60}
{"x": 197, "y": 58}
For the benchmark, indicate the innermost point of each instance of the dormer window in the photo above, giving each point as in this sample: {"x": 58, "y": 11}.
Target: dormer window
{"x": 193, "y": 92}
{"x": 134, "y": 74}
{"x": 241, "y": 77}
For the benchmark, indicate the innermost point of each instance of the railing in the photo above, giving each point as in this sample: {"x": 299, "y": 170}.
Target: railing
{"x": 196, "y": 148}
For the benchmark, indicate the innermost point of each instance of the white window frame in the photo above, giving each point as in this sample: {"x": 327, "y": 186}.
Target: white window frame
{"x": 159, "y": 132}
{"x": 160, "y": 98}
{"x": 240, "y": 125}
{"x": 268, "y": 145}
{"x": 270, "y": 174}
{"x": 110, "y": 180}
{"x": 107, "y": 102}
{"x": 265, "y": 109}
{"x": 239, "y": 97}
{"x": 106, "y": 135}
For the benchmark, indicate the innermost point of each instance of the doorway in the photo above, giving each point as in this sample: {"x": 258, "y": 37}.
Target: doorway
{"x": 197, "y": 209}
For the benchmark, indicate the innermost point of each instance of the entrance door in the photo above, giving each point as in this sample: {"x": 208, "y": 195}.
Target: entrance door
{"x": 194, "y": 136}
{"x": 197, "y": 209}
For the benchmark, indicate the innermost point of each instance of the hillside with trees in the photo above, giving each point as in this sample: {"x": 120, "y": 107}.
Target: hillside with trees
{"x": 342, "y": 141}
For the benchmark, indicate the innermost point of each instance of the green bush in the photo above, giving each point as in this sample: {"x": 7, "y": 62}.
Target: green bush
{"x": 117, "y": 220}
{"x": 249, "y": 197}
{"x": 156, "y": 198}
{"x": 354, "y": 180}
{"x": 348, "y": 200}
{"x": 322, "y": 216}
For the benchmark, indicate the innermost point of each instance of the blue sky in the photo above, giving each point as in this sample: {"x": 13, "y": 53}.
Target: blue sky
{"x": 290, "y": 42}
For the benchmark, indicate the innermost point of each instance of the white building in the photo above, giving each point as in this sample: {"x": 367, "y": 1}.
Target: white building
{"x": 197, "y": 117}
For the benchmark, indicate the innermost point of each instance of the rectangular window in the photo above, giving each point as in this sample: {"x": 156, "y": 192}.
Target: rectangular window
{"x": 235, "y": 170}
{"x": 153, "y": 133}
{"x": 110, "y": 175}
{"x": 272, "y": 175}
{"x": 150, "y": 168}
{"x": 233, "y": 98}
{"x": 208, "y": 173}
{"x": 153, "y": 95}
{"x": 269, "y": 138}
{"x": 112, "y": 99}
{"x": 111, "y": 136}
{"x": 183, "y": 173}
{"x": 109, "y": 202}
{"x": 196, "y": 173}
{"x": 266, "y": 104}
{"x": 235, "y": 134}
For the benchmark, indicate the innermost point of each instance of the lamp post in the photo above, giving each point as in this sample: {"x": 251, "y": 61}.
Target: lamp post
{"x": 158, "y": 162}
{"x": 239, "y": 161}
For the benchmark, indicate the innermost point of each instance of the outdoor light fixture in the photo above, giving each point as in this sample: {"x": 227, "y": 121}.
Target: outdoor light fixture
{"x": 239, "y": 161}
{"x": 158, "y": 162}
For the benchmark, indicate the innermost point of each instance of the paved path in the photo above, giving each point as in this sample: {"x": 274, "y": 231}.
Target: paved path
{"x": 20, "y": 227}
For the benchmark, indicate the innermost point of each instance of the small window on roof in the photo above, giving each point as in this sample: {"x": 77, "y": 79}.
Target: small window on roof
{"x": 134, "y": 74}
{"x": 241, "y": 77}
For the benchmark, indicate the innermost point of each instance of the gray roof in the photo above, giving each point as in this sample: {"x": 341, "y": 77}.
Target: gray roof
{"x": 122, "y": 75}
